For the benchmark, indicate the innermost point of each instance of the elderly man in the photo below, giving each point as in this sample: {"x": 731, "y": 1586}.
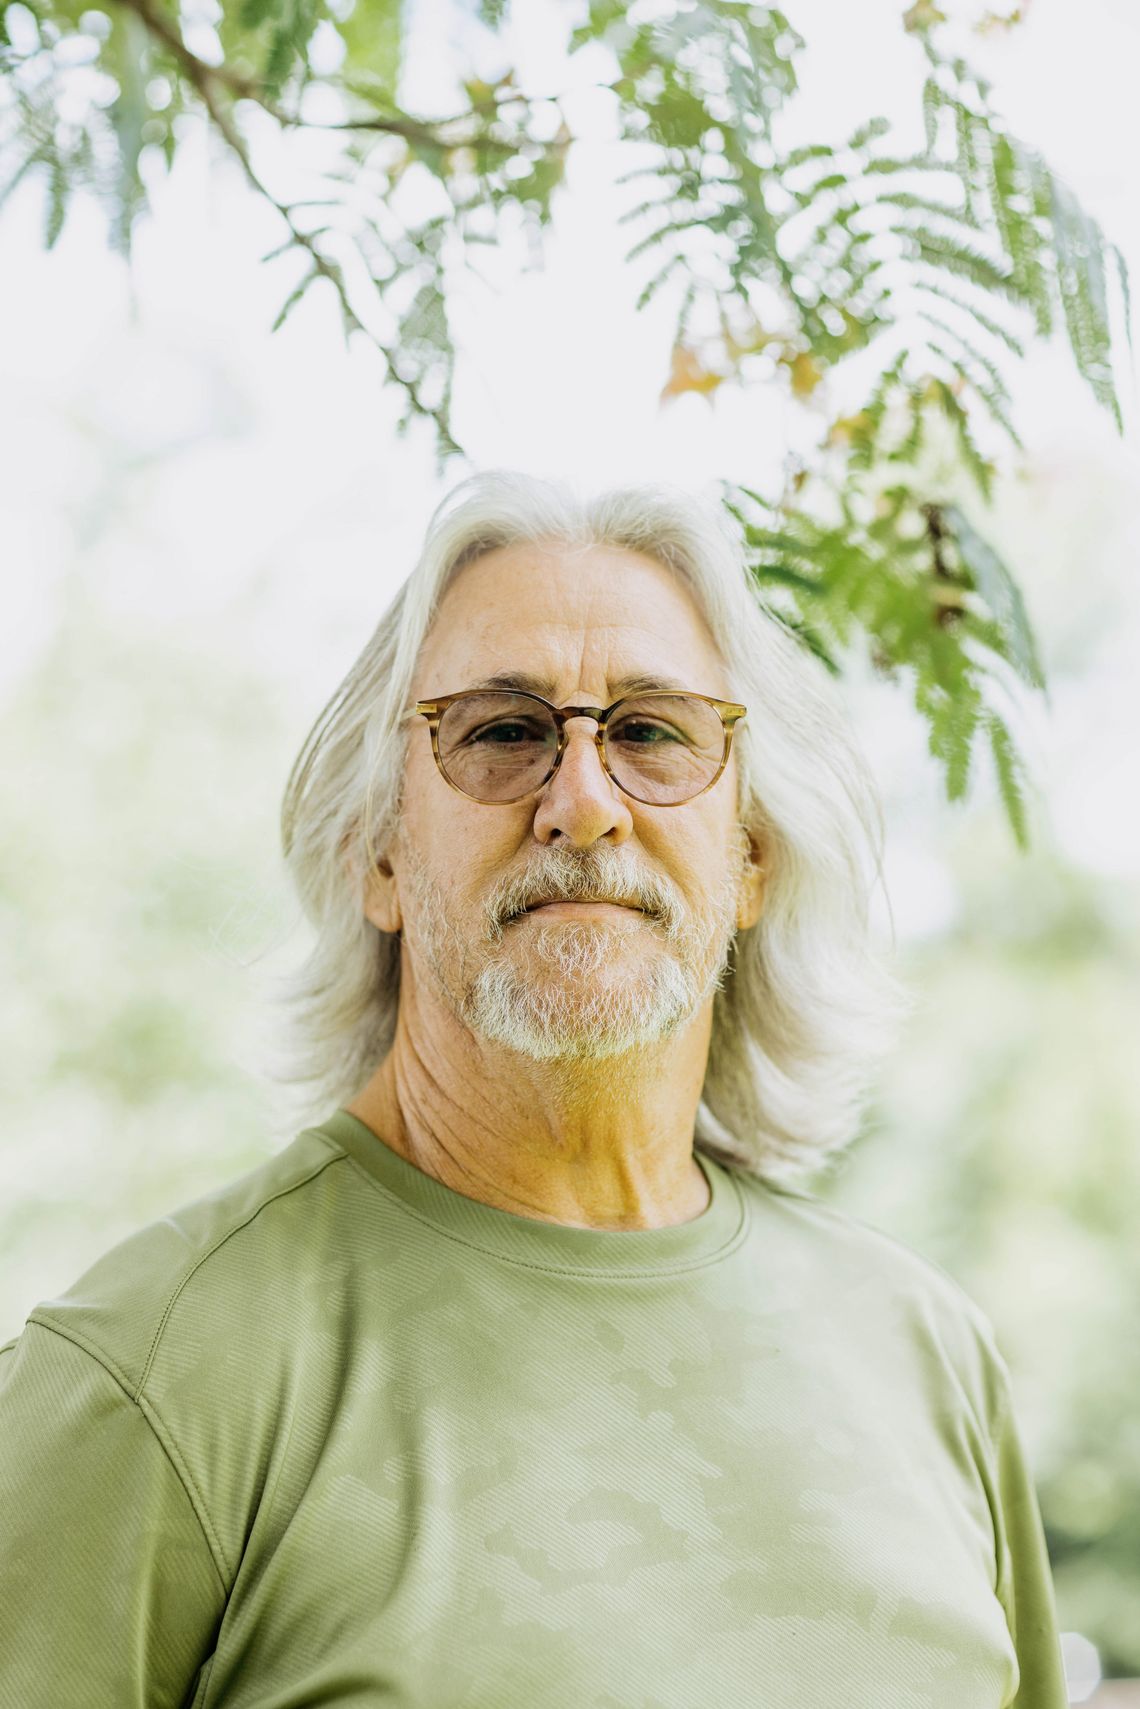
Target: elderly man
{"x": 528, "y": 1378}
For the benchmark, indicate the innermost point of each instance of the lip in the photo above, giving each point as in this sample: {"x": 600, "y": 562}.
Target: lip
{"x": 601, "y": 908}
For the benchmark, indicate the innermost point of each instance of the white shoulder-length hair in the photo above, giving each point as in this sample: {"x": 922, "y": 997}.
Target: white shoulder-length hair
{"x": 806, "y": 1008}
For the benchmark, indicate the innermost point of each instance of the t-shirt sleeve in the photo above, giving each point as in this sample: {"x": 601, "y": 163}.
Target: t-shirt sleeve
{"x": 109, "y": 1592}
{"x": 1025, "y": 1583}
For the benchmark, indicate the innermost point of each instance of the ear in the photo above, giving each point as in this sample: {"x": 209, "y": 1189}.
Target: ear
{"x": 381, "y": 896}
{"x": 382, "y": 899}
{"x": 750, "y": 897}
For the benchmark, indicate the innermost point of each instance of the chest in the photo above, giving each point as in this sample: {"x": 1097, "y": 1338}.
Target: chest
{"x": 599, "y": 1520}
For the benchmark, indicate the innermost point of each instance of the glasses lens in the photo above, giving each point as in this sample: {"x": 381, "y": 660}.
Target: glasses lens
{"x": 497, "y": 746}
{"x": 664, "y": 748}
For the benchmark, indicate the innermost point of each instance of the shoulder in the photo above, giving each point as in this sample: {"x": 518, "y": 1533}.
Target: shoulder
{"x": 877, "y": 1280}
{"x": 198, "y": 1263}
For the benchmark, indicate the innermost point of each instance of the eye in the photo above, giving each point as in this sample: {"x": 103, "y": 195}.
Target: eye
{"x": 508, "y": 733}
{"x": 643, "y": 732}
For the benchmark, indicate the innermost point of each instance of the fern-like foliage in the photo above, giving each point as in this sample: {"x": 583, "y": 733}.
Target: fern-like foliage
{"x": 955, "y": 251}
{"x": 499, "y": 159}
{"x": 936, "y": 605}
{"x": 788, "y": 263}
{"x": 95, "y": 151}
{"x": 934, "y": 267}
{"x": 1052, "y": 257}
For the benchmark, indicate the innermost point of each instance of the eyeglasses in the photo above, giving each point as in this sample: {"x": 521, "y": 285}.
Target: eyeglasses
{"x": 661, "y": 748}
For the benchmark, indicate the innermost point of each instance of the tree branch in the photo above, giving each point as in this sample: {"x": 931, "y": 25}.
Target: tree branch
{"x": 210, "y": 81}
{"x": 202, "y": 74}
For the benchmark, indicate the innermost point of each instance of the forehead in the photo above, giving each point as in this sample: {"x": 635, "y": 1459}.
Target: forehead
{"x": 557, "y": 612}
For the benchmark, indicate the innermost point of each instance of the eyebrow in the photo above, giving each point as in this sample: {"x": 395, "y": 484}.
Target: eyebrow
{"x": 527, "y": 683}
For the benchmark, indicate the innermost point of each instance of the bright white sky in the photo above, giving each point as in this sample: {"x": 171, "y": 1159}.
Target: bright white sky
{"x": 175, "y": 457}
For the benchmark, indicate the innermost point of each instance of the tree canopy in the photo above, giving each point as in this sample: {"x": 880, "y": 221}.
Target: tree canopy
{"x": 932, "y": 269}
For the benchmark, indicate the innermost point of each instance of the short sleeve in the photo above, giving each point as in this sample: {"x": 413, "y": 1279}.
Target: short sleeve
{"x": 110, "y": 1593}
{"x": 1025, "y": 1583}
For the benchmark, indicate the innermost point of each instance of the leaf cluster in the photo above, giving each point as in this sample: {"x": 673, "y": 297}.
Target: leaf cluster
{"x": 927, "y": 594}
{"x": 86, "y": 93}
{"x": 800, "y": 258}
{"x": 932, "y": 268}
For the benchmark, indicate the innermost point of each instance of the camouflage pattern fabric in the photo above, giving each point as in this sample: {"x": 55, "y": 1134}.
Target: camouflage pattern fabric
{"x": 338, "y": 1434}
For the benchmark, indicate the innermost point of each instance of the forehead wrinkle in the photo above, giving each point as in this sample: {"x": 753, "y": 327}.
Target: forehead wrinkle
{"x": 631, "y": 683}
{"x": 530, "y": 641}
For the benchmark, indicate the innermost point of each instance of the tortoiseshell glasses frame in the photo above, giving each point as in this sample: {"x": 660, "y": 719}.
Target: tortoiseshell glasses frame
{"x": 729, "y": 712}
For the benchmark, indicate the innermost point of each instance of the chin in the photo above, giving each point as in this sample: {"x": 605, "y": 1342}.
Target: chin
{"x": 576, "y": 1016}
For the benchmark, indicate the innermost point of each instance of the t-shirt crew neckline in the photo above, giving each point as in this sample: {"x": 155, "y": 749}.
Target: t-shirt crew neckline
{"x": 705, "y": 1239}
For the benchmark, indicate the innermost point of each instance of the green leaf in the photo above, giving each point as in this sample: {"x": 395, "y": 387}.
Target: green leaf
{"x": 1010, "y": 774}
{"x": 993, "y": 581}
{"x": 786, "y": 577}
{"x": 950, "y": 255}
{"x": 832, "y": 181}
{"x": 660, "y": 278}
{"x": 932, "y": 100}
{"x": 911, "y": 201}
{"x": 670, "y": 229}
{"x": 373, "y": 38}
{"x": 982, "y": 319}
{"x": 869, "y": 132}
{"x": 993, "y": 393}
{"x": 253, "y": 13}
{"x": 128, "y": 113}
{"x": 971, "y": 352}
{"x": 1125, "y": 292}
{"x": 294, "y": 298}
{"x": 959, "y": 727}
{"x": 972, "y": 457}
{"x": 56, "y": 202}
{"x": 886, "y": 164}
{"x": 279, "y": 58}
{"x": 1081, "y": 283}
{"x": 34, "y": 159}
{"x": 809, "y": 637}
{"x": 679, "y": 119}
{"x": 908, "y": 448}
{"x": 782, "y": 541}
{"x": 952, "y": 719}
{"x": 809, "y": 151}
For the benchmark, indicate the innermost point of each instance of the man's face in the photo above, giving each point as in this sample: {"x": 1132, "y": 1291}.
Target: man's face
{"x": 581, "y": 980}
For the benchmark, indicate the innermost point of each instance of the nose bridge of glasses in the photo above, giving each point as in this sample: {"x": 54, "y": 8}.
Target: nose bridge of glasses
{"x": 579, "y": 719}
{"x": 572, "y": 715}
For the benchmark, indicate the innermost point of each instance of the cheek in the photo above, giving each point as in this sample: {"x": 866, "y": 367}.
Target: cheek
{"x": 462, "y": 846}
{"x": 421, "y": 775}
{"x": 434, "y": 818}
{"x": 716, "y": 861}
{"x": 696, "y": 838}
{"x": 691, "y": 858}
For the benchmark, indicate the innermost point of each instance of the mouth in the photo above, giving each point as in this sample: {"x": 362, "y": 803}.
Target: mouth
{"x": 556, "y": 906}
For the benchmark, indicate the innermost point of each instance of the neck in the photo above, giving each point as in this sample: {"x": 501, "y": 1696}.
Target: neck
{"x": 596, "y": 1144}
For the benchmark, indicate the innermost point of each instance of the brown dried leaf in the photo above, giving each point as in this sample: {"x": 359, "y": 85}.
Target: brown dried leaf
{"x": 688, "y": 374}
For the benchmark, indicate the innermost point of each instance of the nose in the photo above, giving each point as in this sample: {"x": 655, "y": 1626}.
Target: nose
{"x": 581, "y": 802}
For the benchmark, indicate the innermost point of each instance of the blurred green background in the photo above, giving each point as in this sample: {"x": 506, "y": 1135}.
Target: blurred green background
{"x": 142, "y": 904}
{"x": 202, "y": 526}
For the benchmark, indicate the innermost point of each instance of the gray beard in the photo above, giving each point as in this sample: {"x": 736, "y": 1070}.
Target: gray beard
{"x": 572, "y": 1015}
{"x": 562, "y": 996}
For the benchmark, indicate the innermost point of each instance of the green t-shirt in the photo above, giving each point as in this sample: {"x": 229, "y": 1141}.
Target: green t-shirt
{"x": 338, "y": 1434}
